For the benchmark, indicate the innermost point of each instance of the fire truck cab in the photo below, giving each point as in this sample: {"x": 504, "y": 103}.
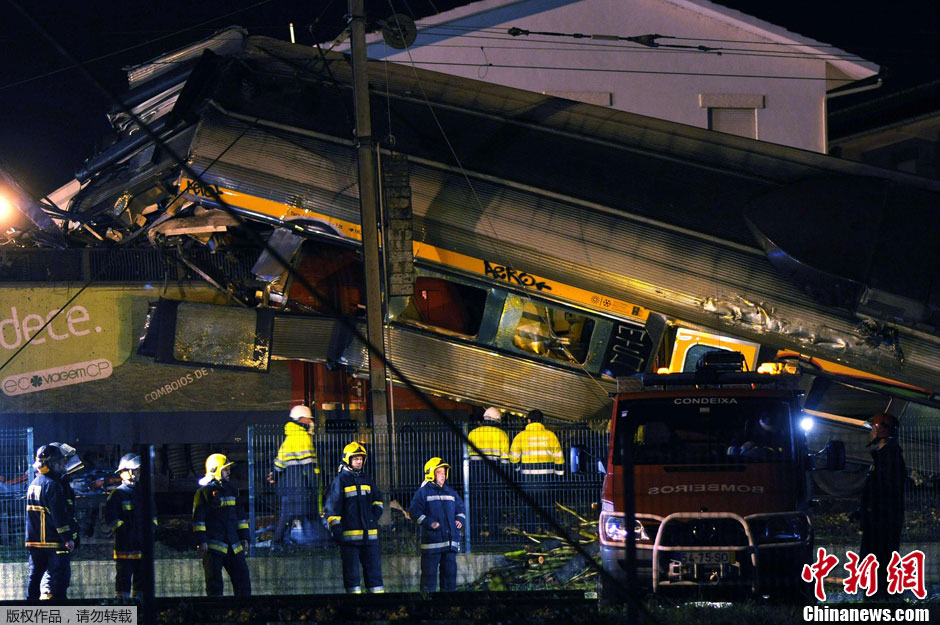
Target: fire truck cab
{"x": 720, "y": 484}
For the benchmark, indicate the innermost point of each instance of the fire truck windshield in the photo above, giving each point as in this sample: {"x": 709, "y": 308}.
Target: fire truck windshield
{"x": 705, "y": 430}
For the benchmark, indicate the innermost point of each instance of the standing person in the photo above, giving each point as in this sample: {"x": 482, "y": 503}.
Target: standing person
{"x": 538, "y": 458}
{"x": 439, "y": 511}
{"x": 485, "y": 487}
{"x": 73, "y": 464}
{"x": 48, "y": 530}
{"x": 124, "y": 515}
{"x": 221, "y": 529}
{"x": 353, "y": 507}
{"x": 297, "y": 475}
{"x": 881, "y": 512}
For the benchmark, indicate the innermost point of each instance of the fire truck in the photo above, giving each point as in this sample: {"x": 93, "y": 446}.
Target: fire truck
{"x": 719, "y": 490}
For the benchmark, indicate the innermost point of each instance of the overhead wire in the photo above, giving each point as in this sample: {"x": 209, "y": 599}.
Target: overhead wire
{"x": 300, "y": 279}
{"x": 139, "y": 45}
{"x": 492, "y": 465}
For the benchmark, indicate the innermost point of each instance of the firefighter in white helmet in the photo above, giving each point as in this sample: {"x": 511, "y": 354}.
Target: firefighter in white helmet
{"x": 124, "y": 515}
{"x": 486, "y": 499}
{"x": 438, "y": 509}
{"x": 221, "y": 529}
{"x": 353, "y": 507}
{"x": 297, "y": 475}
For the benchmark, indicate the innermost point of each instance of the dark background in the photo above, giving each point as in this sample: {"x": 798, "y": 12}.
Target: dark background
{"x": 52, "y": 118}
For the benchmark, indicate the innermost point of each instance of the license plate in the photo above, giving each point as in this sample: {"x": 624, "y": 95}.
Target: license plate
{"x": 705, "y": 557}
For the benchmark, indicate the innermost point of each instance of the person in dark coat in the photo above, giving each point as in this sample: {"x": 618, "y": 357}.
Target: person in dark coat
{"x": 124, "y": 515}
{"x": 221, "y": 529}
{"x": 439, "y": 510}
{"x": 881, "y": 513}
{"x": 297, "y": 475}
{"x": 49, "y": 533}
{"x": 353, "y": 507}
{"x": 73, "y": 464}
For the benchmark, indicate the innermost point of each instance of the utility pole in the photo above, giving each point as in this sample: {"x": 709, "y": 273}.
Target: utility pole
{"x": 371, "y": 261}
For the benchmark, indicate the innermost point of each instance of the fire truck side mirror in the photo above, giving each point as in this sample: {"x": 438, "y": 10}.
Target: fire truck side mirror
{"x": 835, "y": 455}
{"x": 579, "y": 459}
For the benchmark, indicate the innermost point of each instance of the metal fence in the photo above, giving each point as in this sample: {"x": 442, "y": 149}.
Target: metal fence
{"x": 16, "y": 447}
{"x": 497, "y": 515}
{"x": 309, "y": 563}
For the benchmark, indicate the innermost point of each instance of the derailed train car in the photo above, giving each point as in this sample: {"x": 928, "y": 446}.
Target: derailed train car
{"x": 558, "y": 253}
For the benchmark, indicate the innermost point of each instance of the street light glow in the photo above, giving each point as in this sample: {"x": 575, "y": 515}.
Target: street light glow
{"x": 6, "y": 208}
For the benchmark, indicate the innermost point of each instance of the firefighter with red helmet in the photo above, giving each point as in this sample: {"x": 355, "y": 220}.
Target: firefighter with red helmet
{"x": 881, "y": 512}
{"x": 49, "y": 531}
{"x": 353, "y": 507}
{"x": 221, "y": 529}
{"x": 123, "y": 513}
{"x": 439, "y": 510}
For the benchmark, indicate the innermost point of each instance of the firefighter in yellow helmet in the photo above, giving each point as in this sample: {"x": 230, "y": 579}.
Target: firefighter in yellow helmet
{"x": 438, "y": 509}
{"x": 297, "y": 475}
{"x": 353, "y": 507}
{"x": 221, "y": 529}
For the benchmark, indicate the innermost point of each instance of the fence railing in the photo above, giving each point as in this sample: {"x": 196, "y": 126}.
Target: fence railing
{"x": 496, "y": 513}
{"x": 16, "y": 451}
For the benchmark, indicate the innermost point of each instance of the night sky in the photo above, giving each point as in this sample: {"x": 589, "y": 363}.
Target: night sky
{"x": 52, "y": 118}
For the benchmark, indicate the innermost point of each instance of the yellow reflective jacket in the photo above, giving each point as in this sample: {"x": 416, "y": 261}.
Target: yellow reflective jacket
{"x": 536, "y": 451}
{"x": 492, "y": 441}
{"x": 297, "y": 448}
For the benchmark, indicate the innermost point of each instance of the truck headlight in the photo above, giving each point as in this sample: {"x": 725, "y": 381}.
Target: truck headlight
{"x": 614, "y": 528}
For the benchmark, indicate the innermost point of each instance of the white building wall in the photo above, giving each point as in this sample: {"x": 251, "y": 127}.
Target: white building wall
{"x": 662, "y": 82}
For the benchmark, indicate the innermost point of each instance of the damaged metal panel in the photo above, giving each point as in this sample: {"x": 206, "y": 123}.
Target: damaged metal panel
{"x": 245, "y": 338}
{"x": 667, "y": 268}
{"x": 227, "y": 41}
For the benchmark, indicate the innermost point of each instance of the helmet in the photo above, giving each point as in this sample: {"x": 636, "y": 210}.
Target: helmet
{"x": 431, "y": 465}
{"x": 492, "y": 414}
{"x": 45, "y": 455}
{"x": 129, "y": 462}
{"x": 73, "y": 463}
{"x": 884, "y": 425}
{"x": 300, "y": 412}
{"x": 353, "y": 449}
{"x": 214, "y": 465}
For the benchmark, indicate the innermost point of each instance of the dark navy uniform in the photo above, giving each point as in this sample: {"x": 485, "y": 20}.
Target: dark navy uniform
{"x": 218, "y": 522}
{"x": 124, "y": 515}
{"x": 353, "y": 507}
{"x": 439, "y": 546}
{"x": 48, "y": 528}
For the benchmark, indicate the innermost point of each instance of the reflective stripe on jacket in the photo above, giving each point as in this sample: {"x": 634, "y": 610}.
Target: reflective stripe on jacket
{"x": 441, "y": 504}
{"x": 47, "y": 520}
{"x": 217, "y": 520}
{"x": 492, "y": 441}
{"x": 536, "y": 451}
{"x": 124, "y": 515}
{"x": 354, "y": 504}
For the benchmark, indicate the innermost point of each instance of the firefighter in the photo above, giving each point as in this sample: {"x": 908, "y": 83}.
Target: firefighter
{"x": 221, "y": 529}
{"x": 485, "y": 499}
{"x": 538, "y": 458}
{"x": 297, "y": 475}
{"x": 439, "y": 511}
{"x": 124, "y": 515}
{"x": 353, "y": 507}
{"x": 73, "y": 464}
{"x": 49, "y": 534}
{"x": 881, "y": 512}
